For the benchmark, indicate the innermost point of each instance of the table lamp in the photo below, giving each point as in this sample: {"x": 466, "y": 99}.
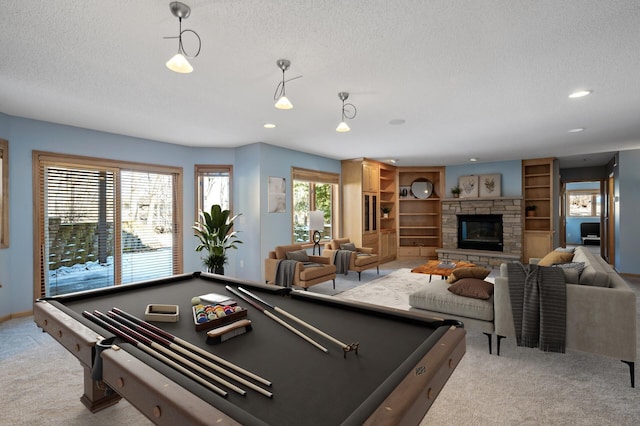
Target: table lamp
{"x": 316, "y": 224}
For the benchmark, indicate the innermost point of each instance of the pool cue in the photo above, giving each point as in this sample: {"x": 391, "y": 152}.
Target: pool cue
{"x": 191, "y": 346}
{"x": 345, "y": 347}
{"x": 185, "y": 352}
{"x": 170, "y": 354}
{"x": 155, "y": 354}
{"x": 278, "y": 320}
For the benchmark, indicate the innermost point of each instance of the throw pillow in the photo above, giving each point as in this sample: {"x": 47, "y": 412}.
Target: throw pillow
{"x": 468, "y": 272}
{"x": 472, "y": 287}
{"x": 348, "y": 246}
{"x": 578, "y": 266}
{"x": 556, "y": 257}
{"x": 298, "y": 255}
{"x": 566, "y": 249}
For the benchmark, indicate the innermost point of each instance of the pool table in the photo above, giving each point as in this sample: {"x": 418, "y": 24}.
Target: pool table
{"x": 403, "y": 360}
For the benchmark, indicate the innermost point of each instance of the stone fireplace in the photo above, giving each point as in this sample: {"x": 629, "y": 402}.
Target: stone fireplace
{"x": 508, "y": 209}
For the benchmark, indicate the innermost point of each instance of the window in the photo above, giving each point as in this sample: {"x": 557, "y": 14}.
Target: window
{"x": 4, "y": 193}
{"x": 103, "y": 223}
{"x": 213, "y": 186}
{"x": 314, "y": 190}
{"x": 583, "y": 202}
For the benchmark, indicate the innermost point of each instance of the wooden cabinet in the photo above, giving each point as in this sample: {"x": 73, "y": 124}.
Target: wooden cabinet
{"x": 538, "y": 201}
{"x": 368, "y": 186}
{"x": 388, "y": 244}
{"x": 370, "y": 175}
{"x": 420, "y": 219}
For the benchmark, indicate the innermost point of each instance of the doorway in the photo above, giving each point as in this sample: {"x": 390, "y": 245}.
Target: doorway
{"x": 584, "y": 211}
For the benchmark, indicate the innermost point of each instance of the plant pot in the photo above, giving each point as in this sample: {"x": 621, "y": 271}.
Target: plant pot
{"x": 217, "y": 270}
{"x": 531, "y": 213}
{"x": 456, "y": 195}
{"x": 385, "y": 215}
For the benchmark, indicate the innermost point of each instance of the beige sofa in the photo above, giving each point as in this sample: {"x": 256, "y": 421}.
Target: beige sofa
{"x": 601, "y": 310}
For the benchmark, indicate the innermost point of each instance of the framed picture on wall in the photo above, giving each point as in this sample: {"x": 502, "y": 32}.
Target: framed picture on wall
{"x": 469, "y": 186}
{"x": 277, "y": 195}
{"x": 490, "y": 185}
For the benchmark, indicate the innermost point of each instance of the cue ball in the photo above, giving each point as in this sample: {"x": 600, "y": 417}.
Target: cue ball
{"x": 195, "y": 301}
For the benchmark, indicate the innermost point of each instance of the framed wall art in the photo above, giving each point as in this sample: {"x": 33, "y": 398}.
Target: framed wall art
{"x": 277, "y": 195}
{"x": 490, "y": 185}
{"x": 469, "y": 186}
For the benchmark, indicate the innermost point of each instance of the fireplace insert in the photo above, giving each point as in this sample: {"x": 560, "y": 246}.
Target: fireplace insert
{"x": 480, "y": 232}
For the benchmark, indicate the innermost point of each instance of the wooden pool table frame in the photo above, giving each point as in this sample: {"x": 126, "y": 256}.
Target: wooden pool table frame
{"x": 125, "y": 376}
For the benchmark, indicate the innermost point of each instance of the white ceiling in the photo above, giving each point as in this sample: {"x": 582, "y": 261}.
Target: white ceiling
{"x": 485, "y": 79}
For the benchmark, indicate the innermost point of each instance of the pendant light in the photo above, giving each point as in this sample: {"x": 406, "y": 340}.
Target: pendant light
{"x": 178, "y": 63}
{"x": 282, "y": 102}
{"x": 349, "y": 112}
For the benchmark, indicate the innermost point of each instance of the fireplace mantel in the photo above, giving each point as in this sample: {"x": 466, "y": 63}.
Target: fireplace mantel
{"x": 444, "y": 200}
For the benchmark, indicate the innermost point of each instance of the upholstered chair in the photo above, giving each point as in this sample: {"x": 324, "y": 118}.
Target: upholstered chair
{"x": 291, "y": 265}
{"x": 361, "y": 259}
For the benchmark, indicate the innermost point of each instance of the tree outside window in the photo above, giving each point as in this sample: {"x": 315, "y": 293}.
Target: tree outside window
{"x": 311, "y": 193}
{"x": 583, "y": 203}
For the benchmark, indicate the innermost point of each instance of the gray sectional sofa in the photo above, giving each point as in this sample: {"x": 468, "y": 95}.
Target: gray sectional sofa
{"x": 601, "y": 309}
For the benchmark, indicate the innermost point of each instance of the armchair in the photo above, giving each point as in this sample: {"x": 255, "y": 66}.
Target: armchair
{"x": 361, "y": 259}
{"x": 304, "y": 269}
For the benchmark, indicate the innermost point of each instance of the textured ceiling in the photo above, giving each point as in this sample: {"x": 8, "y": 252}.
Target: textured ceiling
{"x": 485, "y": 79}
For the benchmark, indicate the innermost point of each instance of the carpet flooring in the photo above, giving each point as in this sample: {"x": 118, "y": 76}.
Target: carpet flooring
{"x": 521, "y": 387}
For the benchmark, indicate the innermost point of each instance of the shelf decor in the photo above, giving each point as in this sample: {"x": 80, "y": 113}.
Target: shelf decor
{"x": 469, "y": 186}
{"x": 490, "y": 185}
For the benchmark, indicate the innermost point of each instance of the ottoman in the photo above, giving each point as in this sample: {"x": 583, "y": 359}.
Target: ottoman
{"x": 436, "y": 300}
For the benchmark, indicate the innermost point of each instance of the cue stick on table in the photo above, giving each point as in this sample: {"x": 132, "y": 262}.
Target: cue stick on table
{"x": 278, "y": 320}
{"x": 158, "y": 347}
{"x": 155, "y": 354}
{"x": 191, "y": 346}
{"x": 346, "y": 348}
{"x": 183, "y": 351}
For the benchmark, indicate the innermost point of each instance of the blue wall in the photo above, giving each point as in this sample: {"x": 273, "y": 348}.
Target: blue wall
{"x": 252, "y": 164}
{"x": 627, "y": 206}
{"x": 573, "y": 223}
{"x": 511, "y": 172}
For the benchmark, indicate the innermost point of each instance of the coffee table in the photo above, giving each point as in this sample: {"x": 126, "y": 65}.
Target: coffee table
{"x": 434, "y": 267}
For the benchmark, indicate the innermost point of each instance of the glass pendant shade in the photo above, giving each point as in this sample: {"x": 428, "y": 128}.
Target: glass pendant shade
{"x": 179, "y": 64}
{"x": 342, "y": 127}
{"x": 283, "y": 103}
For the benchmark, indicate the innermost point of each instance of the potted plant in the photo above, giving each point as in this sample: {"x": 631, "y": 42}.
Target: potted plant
{"x": 214, "y": 230}
{"x": 385, "y": 211}
{"x": 455, "y": 191}
{"x": 531, "y": 210}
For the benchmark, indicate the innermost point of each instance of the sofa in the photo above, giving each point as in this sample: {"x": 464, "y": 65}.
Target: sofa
{"x": 361, "y": 258}
{"x": 308, "y": 270}
{"x": 601, "y": 307}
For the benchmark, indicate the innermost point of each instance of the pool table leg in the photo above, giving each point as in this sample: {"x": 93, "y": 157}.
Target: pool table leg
{"x": 97, "y": 395}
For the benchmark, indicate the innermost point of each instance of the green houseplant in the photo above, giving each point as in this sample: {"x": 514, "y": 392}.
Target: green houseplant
{"x": 531, "y": 210}
{"x": 455, "y": 191}
{"x": 216, "y": 235}
{"x": 385, "y": 210}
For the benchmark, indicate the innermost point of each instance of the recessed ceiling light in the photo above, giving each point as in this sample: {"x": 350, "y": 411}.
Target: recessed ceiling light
{"x": 580, "y": 93}
{"x": 269, "y": 126}
{"x": 576, "y": 130}
{"x": 473, "y": 160}
{"x": 397, "y": 121}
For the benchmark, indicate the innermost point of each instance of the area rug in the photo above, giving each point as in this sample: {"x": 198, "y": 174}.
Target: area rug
{"x": 392, "y": 290}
